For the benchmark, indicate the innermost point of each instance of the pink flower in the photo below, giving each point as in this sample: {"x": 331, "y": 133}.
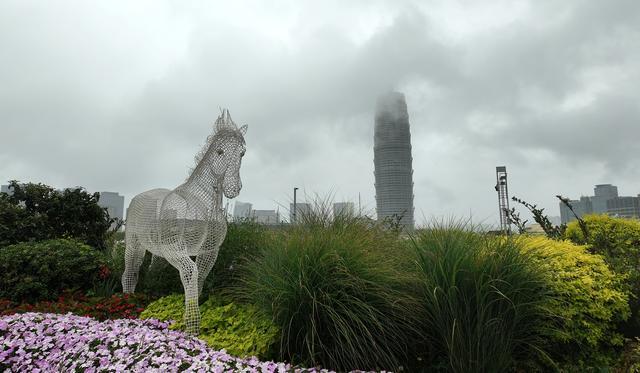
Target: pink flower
{"x": 68, "y": 342}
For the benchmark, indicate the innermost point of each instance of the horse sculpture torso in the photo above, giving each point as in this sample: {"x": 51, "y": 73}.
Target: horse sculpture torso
{"x": 189, "y": 220}
{"x": 161, "y": 217}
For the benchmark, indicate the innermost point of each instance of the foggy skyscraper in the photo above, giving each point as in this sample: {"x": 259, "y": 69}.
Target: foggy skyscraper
{"x": 392, "y": 159}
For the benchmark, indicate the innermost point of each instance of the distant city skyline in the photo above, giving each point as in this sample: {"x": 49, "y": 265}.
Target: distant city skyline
{"x": 605, "y": 200}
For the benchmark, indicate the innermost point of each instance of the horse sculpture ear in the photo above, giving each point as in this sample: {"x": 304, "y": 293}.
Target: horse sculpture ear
{"x": 243, "y": 129}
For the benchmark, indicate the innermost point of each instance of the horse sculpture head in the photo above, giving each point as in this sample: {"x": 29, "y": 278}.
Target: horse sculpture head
{"x": 223, "y": 155}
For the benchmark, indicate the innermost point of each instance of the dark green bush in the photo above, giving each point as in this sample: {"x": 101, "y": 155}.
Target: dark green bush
{"x": 238, "y": 328}
{"x": 40, "y": 271}
{"x": 618, "y": 241}
{"x": 334, "y": 289}
{"x": 36, "y": 212}
{"x": 483, "y": 301}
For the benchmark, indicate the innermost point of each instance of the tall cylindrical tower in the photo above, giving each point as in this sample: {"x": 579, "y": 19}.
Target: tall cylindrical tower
{"x": 392, "y": 160}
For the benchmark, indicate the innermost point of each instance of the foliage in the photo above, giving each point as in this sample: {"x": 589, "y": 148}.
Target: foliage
{"x": 583, "y": 226}
{"x": 629, "y": 361}
{"x": 482, "y": 299}
{"x": 552, "y": 231}
{"x": 239, "y": 329}
{"x": 119, "y": 306}
{"x": 514, "y": 217}
{"x": 333, "y": 287}
{"x": 68, "y": 343}
{"x": 40, "y": 271}
{"x": 243, "y": 240}
{"x": 618, "y": 240}
{"x": 36, "y": 212}
{"x": 109, "y": 281}
{"x": 589, "y": 300}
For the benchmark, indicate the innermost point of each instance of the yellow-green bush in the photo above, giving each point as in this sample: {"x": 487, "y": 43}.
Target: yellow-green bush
{"x": 618, "y": 240}
{"x": 590, "y": 300}
{"x": 238, "y": 328}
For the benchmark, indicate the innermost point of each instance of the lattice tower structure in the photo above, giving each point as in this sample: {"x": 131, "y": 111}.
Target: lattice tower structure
{"x": 393, "y": 161}
{"x": 503, "y": 198}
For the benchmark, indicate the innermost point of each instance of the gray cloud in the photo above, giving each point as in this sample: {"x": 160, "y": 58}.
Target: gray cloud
{"x": 121, "y": 97}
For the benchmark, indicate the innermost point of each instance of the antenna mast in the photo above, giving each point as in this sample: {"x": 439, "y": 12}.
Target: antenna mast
{"x": 503, "y": 198}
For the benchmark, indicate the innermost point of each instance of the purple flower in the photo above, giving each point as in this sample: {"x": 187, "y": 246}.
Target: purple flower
{"x": 53, "y": 342}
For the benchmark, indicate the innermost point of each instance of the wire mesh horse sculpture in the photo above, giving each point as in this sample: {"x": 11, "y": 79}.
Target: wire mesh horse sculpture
{"x": 189, "y": 220}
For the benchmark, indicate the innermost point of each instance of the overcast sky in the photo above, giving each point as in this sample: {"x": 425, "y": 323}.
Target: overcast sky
{"x": 120, "y": 95}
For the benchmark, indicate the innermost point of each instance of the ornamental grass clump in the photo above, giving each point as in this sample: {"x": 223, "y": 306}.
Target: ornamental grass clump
{"x": 483, "y": 300}
{"x": 333, "y": 287}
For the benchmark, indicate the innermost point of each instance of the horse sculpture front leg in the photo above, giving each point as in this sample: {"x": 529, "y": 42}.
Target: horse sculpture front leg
{"x": 189, "y": 277}
{"x": 205, "y": 261}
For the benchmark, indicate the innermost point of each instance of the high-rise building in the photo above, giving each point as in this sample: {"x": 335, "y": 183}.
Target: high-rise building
{"x": 6, "y": 189}
{"x": 267, "y": 217}
{"x": 601, "y": 194}
{"x": 114, "y": 203}
{"x": 302, "y": 210}
{"x": 242, "y": 210}
{"x": 392, "y": 160}
{"x": 343, "y": 209}
{"x": 624, "y": 207}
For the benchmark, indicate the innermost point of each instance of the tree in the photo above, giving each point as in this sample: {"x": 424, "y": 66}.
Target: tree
{"x": 36, "y": 212}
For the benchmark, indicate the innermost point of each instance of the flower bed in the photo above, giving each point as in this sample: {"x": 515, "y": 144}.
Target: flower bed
{"x": 53, "y": 342}
{"x": 118, "y": 306}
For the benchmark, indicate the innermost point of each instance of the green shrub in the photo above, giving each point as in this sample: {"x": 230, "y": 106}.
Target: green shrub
{"x": 240, "y": 329}
{"x": 334, "y": 289}
{"x": 482, "y": 300}
{"x": 629, "y": 360}
{"x": 589, "y": 300}
{"x": 36, "y": 212}
{"x": 243, "y": 240}
{"x": 618, "y": 241}
{"x": 40, "y": 271}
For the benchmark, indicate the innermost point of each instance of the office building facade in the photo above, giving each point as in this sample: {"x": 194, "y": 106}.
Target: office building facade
{"x": 302, "y": 210}
{"x": 392, "y": 160}
{"x": 343, "y": 209}
{"x": 114, "y": 203}
{"x": 242, "y": 210}
{"x": 267, "y": 217}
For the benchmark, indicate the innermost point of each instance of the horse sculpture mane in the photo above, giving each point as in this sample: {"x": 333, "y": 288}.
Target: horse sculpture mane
{"x": 188, "y": 220}
{"x": 223, "y": 123}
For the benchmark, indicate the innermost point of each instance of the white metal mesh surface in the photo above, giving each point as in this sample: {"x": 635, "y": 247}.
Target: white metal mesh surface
{"x": 188, "y": 221}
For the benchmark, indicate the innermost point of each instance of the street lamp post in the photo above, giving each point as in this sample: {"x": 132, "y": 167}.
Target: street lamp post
{"x": 295, "y": 219}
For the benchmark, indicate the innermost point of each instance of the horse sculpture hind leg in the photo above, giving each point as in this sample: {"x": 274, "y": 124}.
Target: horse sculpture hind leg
{"x": 133, "y": 257}
{"x": 140, "y": 228}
